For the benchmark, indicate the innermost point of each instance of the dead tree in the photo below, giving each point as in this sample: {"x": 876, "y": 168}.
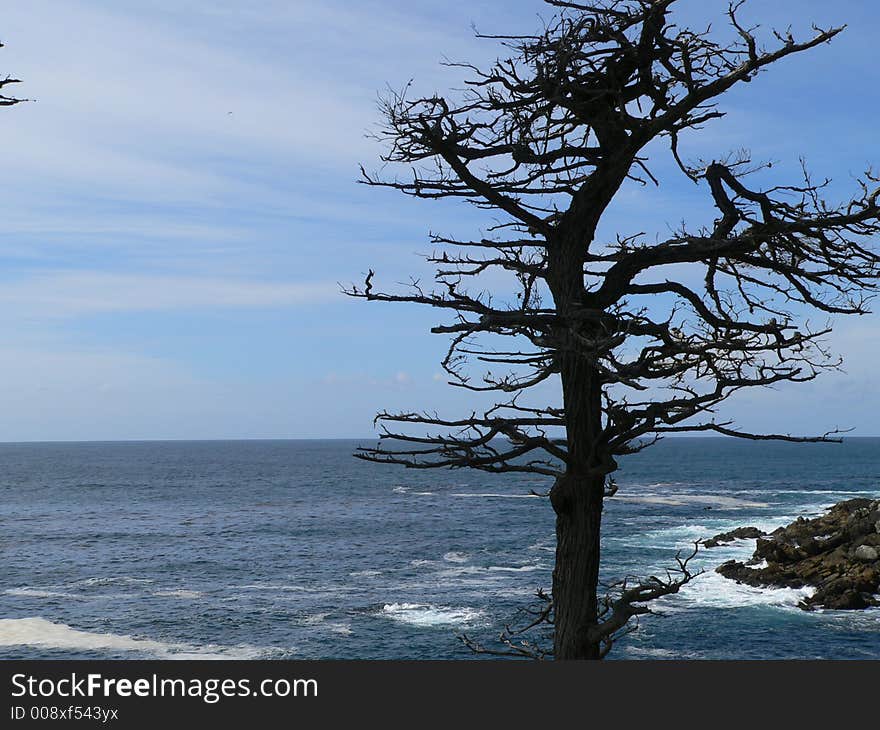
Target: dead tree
{"x": 643, "y": 337}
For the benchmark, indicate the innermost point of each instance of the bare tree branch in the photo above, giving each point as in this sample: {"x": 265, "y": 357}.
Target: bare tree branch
{"x": 640, "y": 338}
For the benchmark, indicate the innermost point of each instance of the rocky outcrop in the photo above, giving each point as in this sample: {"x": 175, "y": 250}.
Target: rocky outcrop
{"x": 740, "y": 533}
{"x": 837, "y": 553}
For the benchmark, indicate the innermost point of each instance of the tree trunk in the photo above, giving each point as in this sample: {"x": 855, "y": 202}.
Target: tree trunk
{"x": 577, "y": 496}
{"x": 578, "y": 505}
{"x": 577, "y": 500}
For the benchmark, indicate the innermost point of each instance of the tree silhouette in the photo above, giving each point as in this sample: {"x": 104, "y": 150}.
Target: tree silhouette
{"x": 4, "y": 82}
{"x": 644, "y": 337}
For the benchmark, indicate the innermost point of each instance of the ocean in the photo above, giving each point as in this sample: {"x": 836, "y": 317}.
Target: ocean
{"x": 296, "y": 550}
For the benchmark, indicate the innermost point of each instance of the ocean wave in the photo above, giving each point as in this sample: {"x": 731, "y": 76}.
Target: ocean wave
{"x": 866, "y": 620}
{"x": 427, "y": 616}
{"x": 673, "y": 537}
{"x": 343, "y": 629}
{"x": 516, "y": 569}
{"x": 475, "y": 495}
{"x": 455, "y": 557}
{"x": 655, "y": 485}
{"x": 481, "y": 570}
{"x": 712, "y": 590}
{"x": 407, "y": 490}
{"x": 770, "y": 491}
{"x": 682, "y": 500}
{"x": 114, "y": 580}
{"x": 651, "y": 652}
{"x": 545, "y": 548}
{"x": 26, "y": 592}
{"x": 682, "y": 537}
{"x": 678, "y": 532}
{"x": 282, "y": 588}
{"x": 313, "y": 619}
{"x": 41, "y": 632}
{"x": 365, "y": 573}
{"x": 178, "y": 593}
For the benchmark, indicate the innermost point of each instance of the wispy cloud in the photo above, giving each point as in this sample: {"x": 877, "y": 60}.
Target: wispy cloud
{"x": 76, "y": 293}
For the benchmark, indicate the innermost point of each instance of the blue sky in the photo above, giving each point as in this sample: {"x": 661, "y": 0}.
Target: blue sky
{"x": 180, "y": 203}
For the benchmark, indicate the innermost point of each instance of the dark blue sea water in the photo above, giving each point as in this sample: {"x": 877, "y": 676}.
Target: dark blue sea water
{"x": 296, "y": 550}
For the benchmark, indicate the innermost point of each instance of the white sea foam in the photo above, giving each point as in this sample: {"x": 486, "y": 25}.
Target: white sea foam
{"x": 712, "y": 590}
{"x": 365, "y": 573}
{"x": 640, "y": 486}
{"x": 314, "y": 619}
{"x": 424, "y": 615}
{"x": 864, "y": 621}
{"x": 680, "y": 532}
{"x": 283, "y": 588}
{"x": 406, "y": 490}
{"x": 26, "y": 592}
{"x": 496, "y": 496}
{"x": 681, "y": 500}
{"x": 455, "y": 557}
{"x": 685, "y": 535}
{"x": 667, "y": 537}
{"x": 513, "y": 569}
{"x": 545, "y": 548}
{"x": 651, "y": 652}
{"x": 481, "y": 570}
{"x": 180, "y": 593}
{"x": 770, "y": 492}
{"x": 41, "y": 632}
{"x": 114, "y": 580}
{"x": 342, "y": 629}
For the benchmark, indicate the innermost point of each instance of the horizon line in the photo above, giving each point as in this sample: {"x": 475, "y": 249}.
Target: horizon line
{"x": 342, "y": 438}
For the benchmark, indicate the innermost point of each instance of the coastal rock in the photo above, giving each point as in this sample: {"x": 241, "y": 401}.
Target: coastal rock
{"x": 740, "y": 533}
{"x": 837, "y": 553}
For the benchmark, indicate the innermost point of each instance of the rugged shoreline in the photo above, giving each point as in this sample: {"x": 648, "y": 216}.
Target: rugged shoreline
{"x": 837, "y": 553}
